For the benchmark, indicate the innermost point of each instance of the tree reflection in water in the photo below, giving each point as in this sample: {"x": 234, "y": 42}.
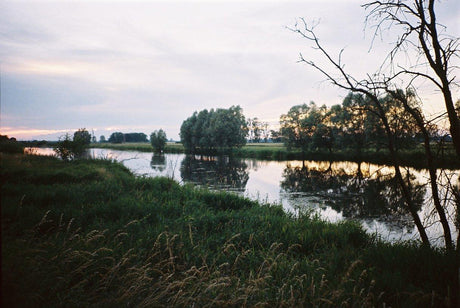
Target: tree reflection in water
{"x": 355, "y": 193}
{"x": 223, "y": 173}
{"x": 158, "y": 162}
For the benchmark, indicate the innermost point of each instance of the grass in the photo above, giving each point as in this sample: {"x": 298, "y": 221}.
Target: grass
{"x": 277, "y": 151}
{"x": 89, "y": 233}
{"x": 171, "y": 147}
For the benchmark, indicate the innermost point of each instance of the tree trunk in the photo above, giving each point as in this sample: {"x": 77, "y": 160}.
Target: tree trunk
{"x": 431, "y": 167}
{"x": 399, "y": 178}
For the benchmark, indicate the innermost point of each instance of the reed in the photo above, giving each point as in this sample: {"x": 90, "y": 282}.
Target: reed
{"x": 89, "y": 233}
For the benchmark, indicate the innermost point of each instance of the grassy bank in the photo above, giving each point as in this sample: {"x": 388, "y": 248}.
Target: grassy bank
{"x": 171, "y": 147}
{"x": 90, "y": 233}
{"x": 277, "y": 151}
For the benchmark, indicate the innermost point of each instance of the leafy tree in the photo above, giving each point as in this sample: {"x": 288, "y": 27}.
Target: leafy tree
{"x": 298, "y": 126}
{"x": 187, "y": 133}
{"x": 81, "y": 140}
{"x": 228, "y": 128}
{"x": 82, "y": 136}
{"x": 135, "y": 137}
{"x": 214, "y": 130}
{"x": 275, "y": 135}
{"x": 254, "y": 129}
{"x": 158, "y": 140}
{"x": 117, "y": 137}
{"x": 102, "y": 139}
{"x": 64, "y": 148}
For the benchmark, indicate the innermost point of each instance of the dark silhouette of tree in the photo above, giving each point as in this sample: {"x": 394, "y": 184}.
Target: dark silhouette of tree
{"x": 158, "y": 140}
{"x": 135, "y": 137}
{"x": 419, "y": 35}
{"x": 117, "y": 137}
{"x": 69, "y": 149}
{"x": 81, "y": 141}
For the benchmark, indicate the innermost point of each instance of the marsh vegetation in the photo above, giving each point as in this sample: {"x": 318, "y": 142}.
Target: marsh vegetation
{"x": 89, "y": 232}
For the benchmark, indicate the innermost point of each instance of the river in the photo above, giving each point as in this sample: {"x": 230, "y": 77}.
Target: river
{"x": 334, "y": 190}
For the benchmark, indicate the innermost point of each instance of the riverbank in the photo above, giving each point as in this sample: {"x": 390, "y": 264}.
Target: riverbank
{"x": 277, "y": 151}
{"x": 90, "y": 233}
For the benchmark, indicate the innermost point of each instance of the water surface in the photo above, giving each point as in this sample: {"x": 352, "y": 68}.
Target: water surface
{"x": 335, "y": 190}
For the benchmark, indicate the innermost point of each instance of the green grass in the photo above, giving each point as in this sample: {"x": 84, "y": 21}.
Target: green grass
{"x": 89, "y": 233}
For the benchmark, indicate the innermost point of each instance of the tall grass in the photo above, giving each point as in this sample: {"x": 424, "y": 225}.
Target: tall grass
{"x": 89, "y": 233}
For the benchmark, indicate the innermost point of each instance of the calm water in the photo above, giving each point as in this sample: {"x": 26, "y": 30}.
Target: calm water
{"x": 336, "y": 191}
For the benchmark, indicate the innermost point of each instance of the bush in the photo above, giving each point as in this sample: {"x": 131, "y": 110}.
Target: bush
{"x": 10, "y": 145}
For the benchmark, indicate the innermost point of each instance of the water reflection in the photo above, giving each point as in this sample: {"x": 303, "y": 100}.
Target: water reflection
{"x": 215, "y": 172}
{"x": 356, "y": 193}
{"x": 158, "y": 162}
{"x": 336, "y": 191}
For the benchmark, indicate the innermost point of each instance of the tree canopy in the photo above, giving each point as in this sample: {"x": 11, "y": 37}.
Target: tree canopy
{"x": 158, "y": 140}
{"x": 214, "y": 130}
{"x": 352, "y": 125}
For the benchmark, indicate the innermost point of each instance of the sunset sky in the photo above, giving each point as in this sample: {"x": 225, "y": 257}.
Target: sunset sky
{"x": 137, "y": 66}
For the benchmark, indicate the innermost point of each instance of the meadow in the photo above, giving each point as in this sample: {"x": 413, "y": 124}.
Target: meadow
{"x": 89, "y": 233}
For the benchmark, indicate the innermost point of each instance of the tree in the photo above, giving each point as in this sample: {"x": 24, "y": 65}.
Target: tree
{"x": 208, "y": 132}
{"x": 68, "y": 149}
{"x": 420, "y": 36}
{"x": 420, "y": 33}
{"x": 63, "y": 148}
{"x": 299, "y": 125}
{"x": 117, "y": 137}
{"x": 275, "y": 135}
{"x": 102, "y": 139}
{"x": 81, "y": 140}
{"x": 254, "y": 129}
{"x": 158, "y": 140}
{"x": 135, "y": 137}
{"x": 228, "y": 128}
{"x": 10, "y": 145}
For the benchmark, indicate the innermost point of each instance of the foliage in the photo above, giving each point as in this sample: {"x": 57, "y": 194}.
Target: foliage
{"x": 117, "y": 137}
{"x": 68, "y": 149}
{"x": 257, "y": 130}
{"x": 81, "y": 140}
{"x": 63, "y": 148}
{"x": 215, "y": 130}
{"x": 353, "y": 125}
{"x": 299, "y": 125}
{"x": 135, "y": 137}
{"x": 158, "y": 140}
{"x": 400, "y": 111}
{"x": 67, "y": 241}
{"x": 10, "y": 145}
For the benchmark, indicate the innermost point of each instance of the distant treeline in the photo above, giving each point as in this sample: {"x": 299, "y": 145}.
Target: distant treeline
{"x": 119, "y": 137}
{"x": 354, "y": 125}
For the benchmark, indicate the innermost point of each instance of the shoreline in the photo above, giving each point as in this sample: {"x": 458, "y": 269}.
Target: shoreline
{"x": 278, "y": 152}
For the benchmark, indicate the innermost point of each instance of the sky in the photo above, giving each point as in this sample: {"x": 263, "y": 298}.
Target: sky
{"x": 138, "y": 66}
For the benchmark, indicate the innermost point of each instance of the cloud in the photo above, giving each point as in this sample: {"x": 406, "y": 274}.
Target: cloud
{"x": 149, "y": 64}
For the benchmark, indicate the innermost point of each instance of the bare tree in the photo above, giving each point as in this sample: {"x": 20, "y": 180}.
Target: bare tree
{"x": 421, "y": 33}
{"x": 436, "y": 54}
{"x": 374, "y": 90}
